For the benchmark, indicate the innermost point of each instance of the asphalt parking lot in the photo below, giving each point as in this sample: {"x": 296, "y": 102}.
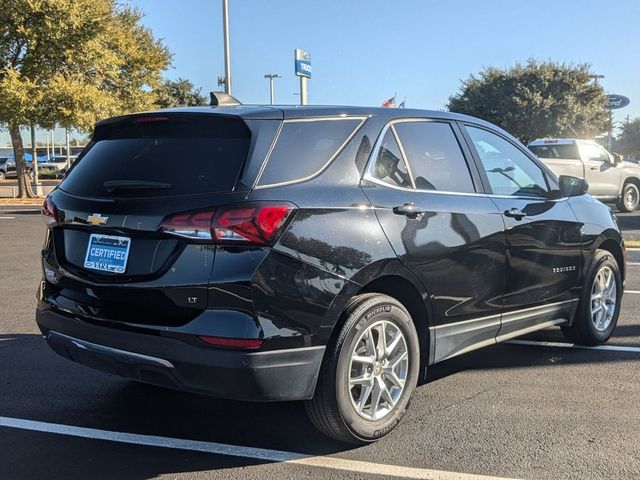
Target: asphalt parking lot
{"x": 546, "y": 411}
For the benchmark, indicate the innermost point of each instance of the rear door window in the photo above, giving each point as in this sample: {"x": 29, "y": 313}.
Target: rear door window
{"x": 305, "y": 147}
{"x": 435, "y": 157}
{"x": 159, "y": 155}
{"x": 390, "y": 166}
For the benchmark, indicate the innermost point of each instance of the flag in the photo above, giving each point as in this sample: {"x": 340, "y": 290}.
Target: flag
{"x": 389, "y": 103}
{"x": 402, "y": 104}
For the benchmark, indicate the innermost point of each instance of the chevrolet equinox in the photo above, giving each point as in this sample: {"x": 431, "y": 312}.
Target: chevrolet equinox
{"x": 324, "y": 254}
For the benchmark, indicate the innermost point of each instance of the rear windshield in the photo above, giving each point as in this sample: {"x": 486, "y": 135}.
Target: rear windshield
{"x": 568, "y": 151}
{"x": 157, "y": 155}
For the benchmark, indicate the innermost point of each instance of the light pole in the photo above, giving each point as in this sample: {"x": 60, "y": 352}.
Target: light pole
{"x": 227, "y": 54}
{"x": 272, "y": 77}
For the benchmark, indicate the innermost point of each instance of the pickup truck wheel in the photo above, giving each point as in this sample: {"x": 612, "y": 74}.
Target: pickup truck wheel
{"x": 630, "y": 198}
{"x": 369, "y": 373}
{"x": 599, "y": 306}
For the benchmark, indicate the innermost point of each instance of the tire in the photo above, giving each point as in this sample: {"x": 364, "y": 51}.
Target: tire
{"x": 586, "y": 329}
{"x": 630, "y": 197}
{"x": 333, "y": 409}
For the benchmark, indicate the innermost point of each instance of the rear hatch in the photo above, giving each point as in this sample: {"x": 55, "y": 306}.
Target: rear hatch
{"x": 118, "y": 263}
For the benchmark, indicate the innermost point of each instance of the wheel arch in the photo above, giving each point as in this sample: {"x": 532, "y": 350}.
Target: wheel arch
{"x": 631, "y": 179}
{"x": 413, "y": 300}
{"x": 614, "y": 247}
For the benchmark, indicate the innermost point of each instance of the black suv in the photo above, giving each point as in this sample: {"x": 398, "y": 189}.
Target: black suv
{"x": 325, "y": 254}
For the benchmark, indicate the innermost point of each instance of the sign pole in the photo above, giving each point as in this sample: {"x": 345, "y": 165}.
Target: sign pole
{"x": 303, "y": 70}
{"x": 610, "y": 130}
{"x": 227, "y": 54}
{"x": 303, "y": 90}
{"x": 614, "y": 102}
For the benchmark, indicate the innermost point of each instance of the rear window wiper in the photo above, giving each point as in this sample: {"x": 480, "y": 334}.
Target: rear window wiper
{"x": 113, "y": 185}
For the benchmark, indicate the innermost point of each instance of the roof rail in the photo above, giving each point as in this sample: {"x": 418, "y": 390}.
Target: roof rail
{"x": 221, "y": 99}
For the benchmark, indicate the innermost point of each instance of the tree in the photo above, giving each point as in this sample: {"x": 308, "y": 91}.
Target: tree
{"x": 70, "y": 62}
{"x": 179, "y": 93}
{"x": 539, "y": 99}
{"x": 629, "y": 140}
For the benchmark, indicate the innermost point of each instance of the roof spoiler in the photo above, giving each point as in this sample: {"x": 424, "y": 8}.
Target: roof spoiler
{"x": 221, "y": 99}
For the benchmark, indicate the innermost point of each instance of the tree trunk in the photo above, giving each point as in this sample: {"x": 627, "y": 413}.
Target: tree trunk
{"x": 22, "y": 172}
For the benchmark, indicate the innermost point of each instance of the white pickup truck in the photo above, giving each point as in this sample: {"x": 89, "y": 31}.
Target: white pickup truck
{"x": 610, "y": 179}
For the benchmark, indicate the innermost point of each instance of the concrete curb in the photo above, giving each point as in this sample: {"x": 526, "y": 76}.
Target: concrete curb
{"x": 633, "y": 254}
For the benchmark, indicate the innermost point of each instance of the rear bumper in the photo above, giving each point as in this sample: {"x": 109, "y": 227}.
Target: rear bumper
{"x": 278, "y": 375}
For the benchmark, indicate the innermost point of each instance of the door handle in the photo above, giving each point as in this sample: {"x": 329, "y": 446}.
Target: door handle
{"x": 408, "y": 209}
{"x": 515, "y": 213}
{"x": 594, "y": 168}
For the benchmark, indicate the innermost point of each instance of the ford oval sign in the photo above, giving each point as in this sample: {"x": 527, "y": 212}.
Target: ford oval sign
{"x": 616, "y": 101}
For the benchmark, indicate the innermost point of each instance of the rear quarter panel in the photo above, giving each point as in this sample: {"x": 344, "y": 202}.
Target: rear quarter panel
{"x": 334, "y": 239}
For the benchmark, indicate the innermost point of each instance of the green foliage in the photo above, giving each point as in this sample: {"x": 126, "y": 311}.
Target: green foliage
{"x": 178, "y": 93}
{"x": 539, "y": 99}
{"x": 629, "y": 141}
{"x": 71, "y": 62}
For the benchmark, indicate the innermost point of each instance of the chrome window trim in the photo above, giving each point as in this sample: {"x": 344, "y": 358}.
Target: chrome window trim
{"x": 368, "y": 176}
{"x": 403, "y": 154}
{"x": 264, "y": 162}
{"x": 257, "y": 185}
{"x": 549, "y": 175}
{"x": 376, "y": 148}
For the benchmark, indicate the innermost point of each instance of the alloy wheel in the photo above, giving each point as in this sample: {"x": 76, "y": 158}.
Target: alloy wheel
{"x": 603, "y": 298}
{"x": 378, "y": 370}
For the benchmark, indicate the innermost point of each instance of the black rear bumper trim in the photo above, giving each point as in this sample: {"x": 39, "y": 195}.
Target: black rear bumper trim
{"x": 276, "y": 375}
{"x": 114, "y": 352}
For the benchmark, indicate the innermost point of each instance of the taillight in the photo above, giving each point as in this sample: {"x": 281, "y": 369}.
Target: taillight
{"x": 49, "y": 213}
{"x": 249, "y": 223}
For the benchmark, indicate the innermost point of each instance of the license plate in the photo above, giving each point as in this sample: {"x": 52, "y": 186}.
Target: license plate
{"x": 107, "y": 253}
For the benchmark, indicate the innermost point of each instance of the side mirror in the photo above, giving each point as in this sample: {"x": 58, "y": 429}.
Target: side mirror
{"x": 572, "y": 186}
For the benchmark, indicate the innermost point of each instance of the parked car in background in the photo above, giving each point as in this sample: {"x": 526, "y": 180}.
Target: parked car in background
{"x": 324, "y": 254}
{"x": 8, "y": 168}
{"x": 610, "y": 178}
{"x": 54, "y": 167}
{"x": 5, "y": 167}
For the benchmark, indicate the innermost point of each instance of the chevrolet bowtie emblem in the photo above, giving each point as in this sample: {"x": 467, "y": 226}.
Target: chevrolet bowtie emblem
{"x": 97, "y": 219}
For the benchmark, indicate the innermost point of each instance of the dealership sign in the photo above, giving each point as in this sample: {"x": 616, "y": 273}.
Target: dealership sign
{"x": 616, "y": 101}
{"x": 303, "y": 63}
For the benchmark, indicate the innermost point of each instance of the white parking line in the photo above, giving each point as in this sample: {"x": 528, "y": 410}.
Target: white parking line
{"x": 611, "y": 348}
{"x": 7, "y": 218}
{"x": 244, "y": 452}
{"x": 633, "y": 264}
{"x": 632, "y": 291}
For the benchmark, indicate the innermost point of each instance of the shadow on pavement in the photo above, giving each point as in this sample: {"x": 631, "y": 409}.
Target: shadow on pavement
{"x": 36, "y": 384}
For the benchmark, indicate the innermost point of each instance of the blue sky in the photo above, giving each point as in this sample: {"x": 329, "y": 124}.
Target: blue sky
{"x": 363, "y": 51}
